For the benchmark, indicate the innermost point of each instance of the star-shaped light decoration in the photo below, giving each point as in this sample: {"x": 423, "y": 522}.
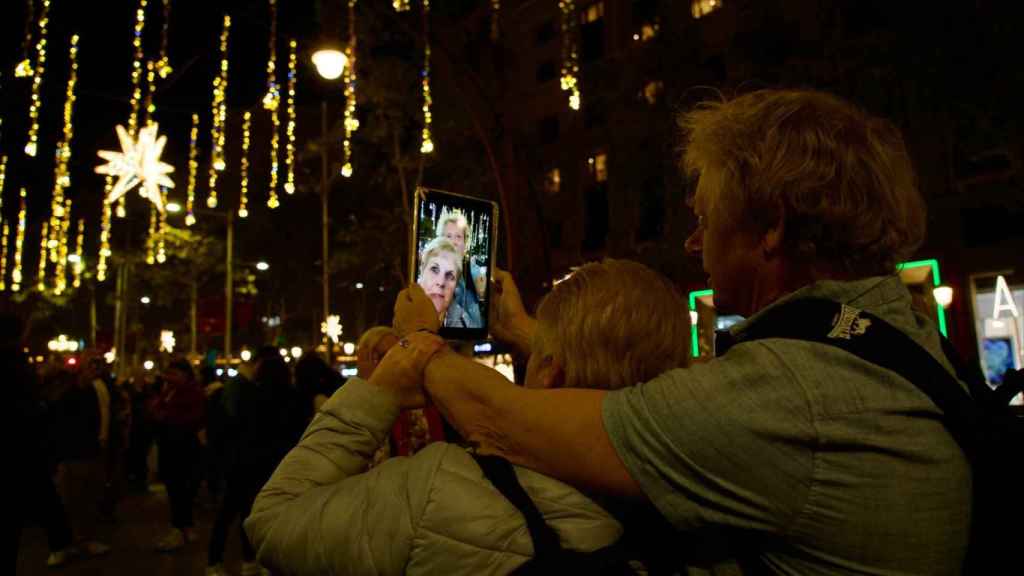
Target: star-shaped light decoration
{"x": 332, "y": 327}
{"x": 138, "y": 164}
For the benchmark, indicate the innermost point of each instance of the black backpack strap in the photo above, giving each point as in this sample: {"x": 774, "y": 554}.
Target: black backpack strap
{"x": 876, "y": 341}
{"x": 501, "y": 473}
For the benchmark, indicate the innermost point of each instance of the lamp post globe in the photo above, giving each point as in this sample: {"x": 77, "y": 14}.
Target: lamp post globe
{"x": 330, "y": 63}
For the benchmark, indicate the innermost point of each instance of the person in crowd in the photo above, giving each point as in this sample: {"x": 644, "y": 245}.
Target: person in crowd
{"x": 140, "y": 435}
{"x": 826, "y": 463}
{"x": 178, "y": 412}
{"x": 314, "y": 383}
{"x": 436, "y": 512}
{"x": 215, "y": 437}
{"x": 82, "y": 418}
{"x": 118, "y": 437}
{"x": 35, "y": 496}
{"x": 265, "y": 420}
{"x": 454, "y": 228}
{"x": 440, "y": 270}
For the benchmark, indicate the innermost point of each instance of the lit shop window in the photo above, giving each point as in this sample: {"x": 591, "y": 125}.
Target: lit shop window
{"x": 652, "y": 91}
{"x": 592, "y": 13}
{"x": 701, "y": 8}
{"x": 553, "y": 181}
{"x": 598, "y": 166}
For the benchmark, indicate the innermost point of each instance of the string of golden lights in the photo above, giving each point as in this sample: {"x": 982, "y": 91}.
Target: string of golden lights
{"x": 41, "y": 275}
{"x": 219, "y": 113}
{"x": 60, "y": 282}
{"x": 400, "y": 5}
{"x": 101, "y": 262}
{"x": 3, "y": 256}
{"x": 163, "y": 63}
{"x": 570, "y": 54}
{"x": 24, "y": 67}
{"x": 193, "y": 171}
{"x": 61, "y": 173}
{"x": 36, "y": 100}
{"x": 289, "y": 157}
{"x": 78, "y": 261}
{"x": 272, "y": 103}
{"x": 151, "y": 237}
{"x": 161, "y": 245}
{"x": 349, "y": 80}
{"x": 19, "y": 245}
{"x": 136, "y": 94}
{"x": 243, "y": 212}
{"x": 426, "y": 144}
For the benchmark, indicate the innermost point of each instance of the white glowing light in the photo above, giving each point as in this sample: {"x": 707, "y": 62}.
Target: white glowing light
{"x": 284, "y": 352}
{"x": 62, "y": 344}
{"x": 943, "y": 296}
{"x": 145, "y": 300}
{"x": 138, "y": 164}
{"x": 693, "y": 317}
{"x": 332, "y": 327}
{"x": 246, "y": 355}
{"x": 173, "y": 207}
{"x": 148, "y": 364}
{"x": 330, "y": 63}
{"x": 296, "y": 352}
{"x": 359, "y": 285}
{"x": 167, "y": 341}
{"x": 349, "y": 348}
{"x": 232, "y": 372}
{"x": 262, "y": 266}
{"x": 110, "y": 356}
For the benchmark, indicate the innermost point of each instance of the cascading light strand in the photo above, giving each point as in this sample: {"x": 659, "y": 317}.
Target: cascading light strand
{"x": 61, "y": 171}
{"x": 151, "y": 237}
{"x": 349, "y": 80}
{"x": 19, "y": 245}
{"x": 243, "y": 194}
{"x": 24, "y": 67}
{"x": 400, "y": 5}
{"x": 193, "y": 171}
{"x": 570, "y": 54}
{"x": 60, "y": 278}
{"x": 41, "y": 273}
{"x": 289, "y": 156}
{"x": 272, "y": 103}
{"x": 219, "y": 112}
{"x": 37, "y": 80}
{"x": 78, "y": 262}
{"x": 161, "y": 233}
{"x": 426, "y": 143}
{"x": 3, "y": 257}
{"x": 163, "y": 64}
{"x": 149, "y": 108}
{"x": 101, "y": 262}
{"x": 136, "y": 94}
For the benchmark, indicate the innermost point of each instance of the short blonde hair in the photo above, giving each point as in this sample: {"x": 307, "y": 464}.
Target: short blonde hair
{"x": 613, "y": 324}
{"x": 437, "y": 246}
{"x": 839, "y": 181}
{"x": 458, "y": 218}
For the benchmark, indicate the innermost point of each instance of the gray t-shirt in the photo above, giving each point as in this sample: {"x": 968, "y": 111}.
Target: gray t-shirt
{"x": 836, "y": 465}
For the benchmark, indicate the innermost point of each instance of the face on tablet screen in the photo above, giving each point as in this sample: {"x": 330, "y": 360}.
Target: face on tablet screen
{"x": 453, "y": 259}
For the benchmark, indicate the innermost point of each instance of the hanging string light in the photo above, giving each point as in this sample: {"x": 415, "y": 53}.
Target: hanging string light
{"x": 61, "y": 173}
{"x": 244, "y": 192}
{"x": 3, "y": 257}
{"x": 136, "y": 95}
{"x": 41, "y": 276}
{"x": 19, "y": 245}
{"x": 570, "y": 56}
{"x": 349, "y": 80}
{"x": 37, "y": 81}
{"x": 60, "y": 282}
{"x": 219, "y": 113}
{"x": 149, "y": 108}
{"x": 289, "y": 157}
{"x": 163, "y": 64}
{"x": 193, "y": 171}
{"x": 151, "y": 237}
{"x": 400, "y": 5}
{"x": 78, "y": 260}
{"x": 161, "y": 247}
{"x": 24, "y": 67}
{"x": 426, "y": 145}
{"x": 101, "y": 262}
{"x": 495, "y": 29}
{"x": 272, "y": 102}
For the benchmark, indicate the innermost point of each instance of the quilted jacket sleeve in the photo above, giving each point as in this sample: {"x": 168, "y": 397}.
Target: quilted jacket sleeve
{"x": 322, "y": 512}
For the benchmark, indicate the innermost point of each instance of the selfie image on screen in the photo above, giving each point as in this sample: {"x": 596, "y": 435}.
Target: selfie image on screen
{"x": 453, "y": 247}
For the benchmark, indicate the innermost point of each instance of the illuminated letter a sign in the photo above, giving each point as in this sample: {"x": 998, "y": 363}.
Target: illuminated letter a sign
{"x": 1004, "y": 299}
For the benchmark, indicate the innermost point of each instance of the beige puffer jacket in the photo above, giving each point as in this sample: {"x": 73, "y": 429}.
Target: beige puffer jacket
{"x": 322, "y": 512}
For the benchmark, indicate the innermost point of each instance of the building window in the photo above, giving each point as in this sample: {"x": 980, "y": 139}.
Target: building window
{"x": 647, "y": 32}
{"x": 547, "y": 131}
{"x": 592, "y": 13}
{"x": 652, "y": 91}
{"x": 545, "y": 33}
{"x": 546, "y": 71}
{"x": 553, "y": 181}
{"x": 701, "y": 8}
{"x": 597, "y": 165}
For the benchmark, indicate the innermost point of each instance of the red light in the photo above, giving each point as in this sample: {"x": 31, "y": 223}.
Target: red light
{"x": 72, "y": 361}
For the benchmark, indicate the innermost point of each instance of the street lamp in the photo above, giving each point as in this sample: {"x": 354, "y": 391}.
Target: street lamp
{"x": 330, "y": 64}
{"x": 262, "y": 266}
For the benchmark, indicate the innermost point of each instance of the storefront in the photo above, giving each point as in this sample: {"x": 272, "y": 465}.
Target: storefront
{"x": 997, "y": 303}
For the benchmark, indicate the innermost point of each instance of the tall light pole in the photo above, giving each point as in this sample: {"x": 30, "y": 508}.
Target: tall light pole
{"x": 330, "y": 63}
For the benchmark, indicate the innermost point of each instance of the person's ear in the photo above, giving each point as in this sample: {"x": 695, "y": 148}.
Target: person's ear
{"x": 552, "y": 375}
